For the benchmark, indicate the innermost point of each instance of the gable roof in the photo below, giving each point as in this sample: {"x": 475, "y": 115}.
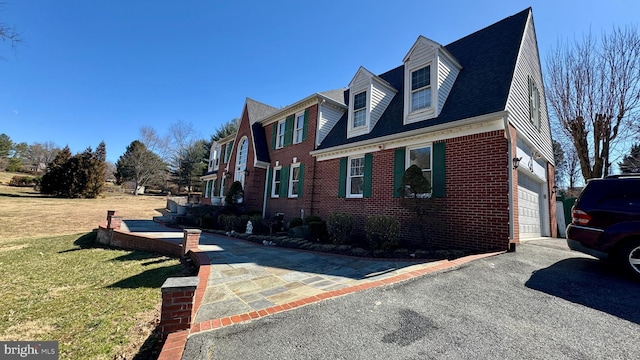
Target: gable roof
{"x": 257, "y": 110}
{"x": 488, "y": 58}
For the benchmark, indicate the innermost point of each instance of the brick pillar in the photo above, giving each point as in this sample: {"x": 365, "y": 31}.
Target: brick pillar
{"x": 114, "y": 222}
{"x": 177, "y": 304}
{"x": 191, "y": 240}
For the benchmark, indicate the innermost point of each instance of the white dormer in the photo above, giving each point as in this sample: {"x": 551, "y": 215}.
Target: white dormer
{"x": 429, "y": 73}
{"x": 369, "y": 96}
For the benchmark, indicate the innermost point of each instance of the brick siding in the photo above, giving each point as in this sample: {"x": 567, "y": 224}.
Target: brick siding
{"x": 475, "y": 208}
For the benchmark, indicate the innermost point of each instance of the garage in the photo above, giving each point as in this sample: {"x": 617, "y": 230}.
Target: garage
{"x": 528, "y": 207}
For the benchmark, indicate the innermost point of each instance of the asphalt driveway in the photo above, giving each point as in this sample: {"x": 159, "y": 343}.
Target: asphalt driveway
{"x": 541, "y": 302}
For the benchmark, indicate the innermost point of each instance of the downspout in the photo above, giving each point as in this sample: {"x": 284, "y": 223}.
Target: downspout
{"x": 315, "y": 159}
{"x": 512, "y": 245}
{"x": 264, "y": 200}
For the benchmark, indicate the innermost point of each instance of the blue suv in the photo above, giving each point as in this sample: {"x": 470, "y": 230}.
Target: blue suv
{"x": 605, "y": 221}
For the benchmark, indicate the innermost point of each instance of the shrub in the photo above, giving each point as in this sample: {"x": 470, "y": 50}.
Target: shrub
{"x": 258, "y": 226}
{"x": 301, "y": 231}
{"x": 383, "y": 232}
{"x": 207, "y": 221}
{"x": 295, "y": 222}
{"x": 339, "y": 227}
{"x": 230, "y": 222}
{"x": 312, "y": 218}
{"x": 318, "y": 230}
{"x": 235, "y": 195}
{"x": 23, "y": 181}
{"x": 241, "y": 225}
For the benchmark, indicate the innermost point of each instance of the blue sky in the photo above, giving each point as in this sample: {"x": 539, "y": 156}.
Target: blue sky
{"x": 93, "y": 70}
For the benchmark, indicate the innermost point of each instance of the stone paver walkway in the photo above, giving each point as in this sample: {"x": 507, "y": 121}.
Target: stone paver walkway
{"x": 247, "y": 277}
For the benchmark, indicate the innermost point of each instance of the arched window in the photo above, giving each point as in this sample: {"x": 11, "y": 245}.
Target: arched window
{"x": 243, "y": 149}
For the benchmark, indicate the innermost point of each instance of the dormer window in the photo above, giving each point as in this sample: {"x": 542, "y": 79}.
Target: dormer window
{"x": 429, "y": 74}
{"x": 360, "y": 109}
{"x": 421, "y": 88}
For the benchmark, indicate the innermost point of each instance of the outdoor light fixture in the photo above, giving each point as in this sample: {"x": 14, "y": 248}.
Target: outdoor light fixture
{"x": 516, "y": 162}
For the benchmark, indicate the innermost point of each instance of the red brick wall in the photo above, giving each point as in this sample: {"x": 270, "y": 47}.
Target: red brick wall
{"x": 514, "y": 186}
{"x": 476, "y": 206}
{"x": 254, "y": 181}
{"x": 291, "y": 206}
{"x": 130, "y": 241}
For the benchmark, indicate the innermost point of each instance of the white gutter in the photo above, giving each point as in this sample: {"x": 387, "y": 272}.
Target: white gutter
{"x": 403, "y": 135}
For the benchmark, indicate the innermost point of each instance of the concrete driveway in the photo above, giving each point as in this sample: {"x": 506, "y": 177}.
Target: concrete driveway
{"x": 542, "y": 302}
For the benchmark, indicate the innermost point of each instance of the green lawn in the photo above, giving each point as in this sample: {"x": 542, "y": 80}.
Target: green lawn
{"x": 90, "y": 299}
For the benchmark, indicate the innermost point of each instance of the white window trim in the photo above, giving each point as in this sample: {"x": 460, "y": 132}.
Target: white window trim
{"x": 290, "y": 189}
{"x": 407, "y": 162}
{"x": 239, "y": 166}
{"x": 275, "y": 194}
{"x": 534, "y": 103}
{"x": 427, "y": 112}
{"x": 296, "y": 129}
{"x": 222, "y": 184}
{"x": 216, "y": 157}
{"x": 348, "y": 177}
{"x": 360, "y": 130}
{"x": 227, "y": 152}
{"x": 281, "y": 135}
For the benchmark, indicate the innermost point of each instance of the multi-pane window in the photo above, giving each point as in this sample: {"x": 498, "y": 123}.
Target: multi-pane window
{"x": 360, "y": 109}
{"x": 243, "y": 149}
{"x": 275, "y": 182}
{"x": 421, "y": 88}
{"x": 355, "y": 177}
{"x": 216, "y": 158}
{"x": 280, "y": 137}
{"x": 421, "y": 157}
{"x": 227, "y": 152}
{"x": 294, "y": 181}
{"x": 534, "y": 104}
{"x": 298, "y": 130}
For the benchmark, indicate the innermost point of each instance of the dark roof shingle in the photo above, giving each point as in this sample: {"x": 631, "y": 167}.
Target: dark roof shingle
{"x": 488, "y": 58}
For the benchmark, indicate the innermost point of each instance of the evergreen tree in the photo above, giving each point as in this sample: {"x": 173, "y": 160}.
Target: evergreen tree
{"x": 57, "y": 178}
{"x": 81, "y": 175}
{"x": 96, "y": 163}
{"x": 140, "y": 165}
{"x": 631, "y": 162}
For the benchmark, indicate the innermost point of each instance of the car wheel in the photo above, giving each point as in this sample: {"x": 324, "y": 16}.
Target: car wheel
{"x": 630, "y": 257}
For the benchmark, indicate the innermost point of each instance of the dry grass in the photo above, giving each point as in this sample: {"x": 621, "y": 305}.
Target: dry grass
{"x": 98, "y": 303}
{"x": 26, "y": 214}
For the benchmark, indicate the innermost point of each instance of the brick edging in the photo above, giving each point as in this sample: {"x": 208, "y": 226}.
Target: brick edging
{"x": 174, "y": 344}
{"x": 249, "y": 316}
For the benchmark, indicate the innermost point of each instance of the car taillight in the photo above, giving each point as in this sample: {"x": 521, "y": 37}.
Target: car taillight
{"x": 579, "y": 217}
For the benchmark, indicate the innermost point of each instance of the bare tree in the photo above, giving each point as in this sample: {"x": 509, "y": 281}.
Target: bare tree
{"x": 41, "y": 154}
{"x": 161, "y": 145}
{"x": 573, "y": 167}
{"x": 8, "y": 33}
{"x": 593, "y": 88}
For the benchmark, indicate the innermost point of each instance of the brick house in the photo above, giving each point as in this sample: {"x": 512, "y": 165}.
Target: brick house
{"x": 472, "y": 115}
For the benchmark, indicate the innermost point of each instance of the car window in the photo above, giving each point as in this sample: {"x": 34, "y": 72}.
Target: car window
{"x": 618, "y": 194}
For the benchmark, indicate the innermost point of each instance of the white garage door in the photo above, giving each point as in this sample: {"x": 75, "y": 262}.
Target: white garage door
{"x": 528, "y": 208}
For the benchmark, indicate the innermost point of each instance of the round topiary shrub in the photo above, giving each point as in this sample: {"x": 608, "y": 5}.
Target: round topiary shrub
{"x": 295, "y": 222}
{"x": 339, "y": 227}
{"x": 312, "y": 218}
{"x": 383, "y": 232}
